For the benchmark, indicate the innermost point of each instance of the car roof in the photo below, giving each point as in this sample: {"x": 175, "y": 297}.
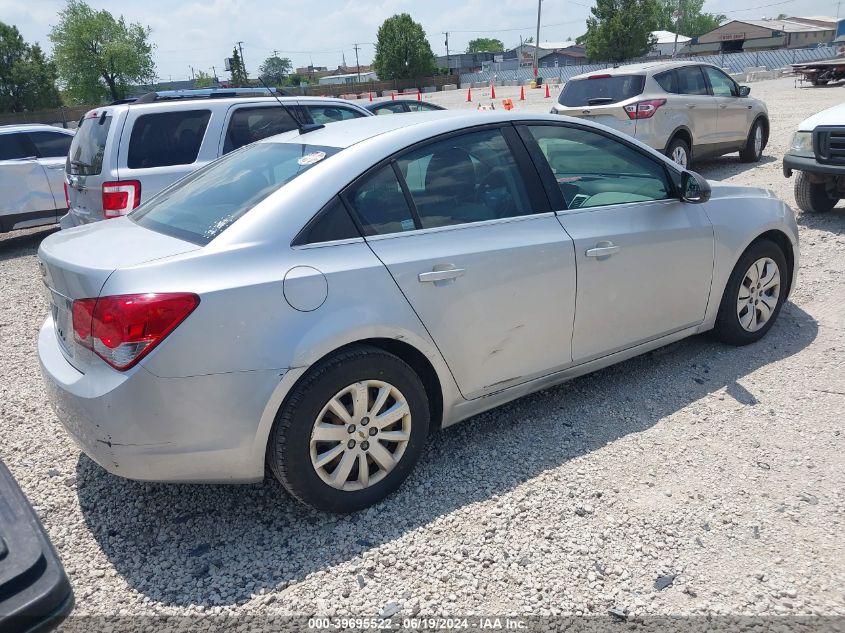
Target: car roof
{"x": 32, "y": 127}
{"x": 379, "y": 104}
{"x": 224, "y": 101}
{"x": 643, "y": 67}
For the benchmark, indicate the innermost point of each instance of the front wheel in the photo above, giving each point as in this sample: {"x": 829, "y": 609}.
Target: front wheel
{"x": 351, "y": 431}
{"x": 754, "y": 144}
{"x": 754, "y": 294}
{"x": 812, "y": 197}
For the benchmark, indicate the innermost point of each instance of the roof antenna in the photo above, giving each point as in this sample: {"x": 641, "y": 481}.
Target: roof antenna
{"x": 303, "y": 127}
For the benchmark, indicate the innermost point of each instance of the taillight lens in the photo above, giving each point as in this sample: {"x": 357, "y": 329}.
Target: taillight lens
{"x": 67, "y": 196}
{"x": 122, "y": 329}
{"x": 119, "y": 198}
{"x": 644, "y": 109}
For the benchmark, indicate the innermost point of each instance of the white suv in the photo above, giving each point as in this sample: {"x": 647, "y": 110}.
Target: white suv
{"x": 127, "y": 152}
{"x": 686, "y": 110}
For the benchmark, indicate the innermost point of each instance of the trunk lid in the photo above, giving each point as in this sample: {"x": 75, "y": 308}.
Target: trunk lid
{"x": 76, "y": 263}
{"x": 602, "y": 98}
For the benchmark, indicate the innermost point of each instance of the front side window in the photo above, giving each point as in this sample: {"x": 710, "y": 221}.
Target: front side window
{"x": 169, "y": 138}
{"x": 691, "y": 81}
{"x": 723, "y": 86}
{"x": 595, "y": 170}
{"x": 248, "y": 125}
{"x": 204, "y": 204}
{"x": 380, "y": 204}
{"x": 468, "y": 178}
{"x": 85, "y": 157}
{"x": 15, "y": 147}
{"x": 331, "y": 113}
{"x": 51, "y": 144}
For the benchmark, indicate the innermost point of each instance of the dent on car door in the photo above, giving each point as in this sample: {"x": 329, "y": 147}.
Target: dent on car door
{"x": 644, "y": 258}
{"x": 25, "y": 196}
{"x": 52, "y": 149}
{"x": 478, "y": 254}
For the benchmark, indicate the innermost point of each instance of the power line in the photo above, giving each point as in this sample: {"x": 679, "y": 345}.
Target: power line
{"x": 764, "y": 6}
{"x": 528, "y": 28}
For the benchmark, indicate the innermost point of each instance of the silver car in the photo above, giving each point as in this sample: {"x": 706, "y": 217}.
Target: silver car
{"x": 320, "y": 302}
{"x": 686, "y": 110}
{"x": 32, "y": 180}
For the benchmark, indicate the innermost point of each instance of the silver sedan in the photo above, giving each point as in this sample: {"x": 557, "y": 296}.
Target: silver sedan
{"x": 320, "y": 302}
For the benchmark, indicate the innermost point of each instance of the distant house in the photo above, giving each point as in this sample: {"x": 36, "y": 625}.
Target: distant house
{"x": 348, "y": 78}
{"x": 760, "y": 35}
{"x": 464, "y": 62}
{"x": 665, "y": 43}
{"x": 568, "y": 55}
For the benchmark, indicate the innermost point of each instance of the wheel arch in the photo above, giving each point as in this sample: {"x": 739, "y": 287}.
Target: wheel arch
{"x": 683, "y": 132}
{"x": 766, "y": 127}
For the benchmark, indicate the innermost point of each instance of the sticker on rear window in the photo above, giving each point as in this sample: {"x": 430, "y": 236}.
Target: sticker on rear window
{"x": 313, "y": 157}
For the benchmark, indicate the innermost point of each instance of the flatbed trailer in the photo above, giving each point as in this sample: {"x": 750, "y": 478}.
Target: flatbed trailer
{"x": 822, "y": 72}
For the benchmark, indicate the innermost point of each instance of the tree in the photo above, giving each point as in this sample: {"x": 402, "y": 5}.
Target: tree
{"x": 27, "y": 77}
{"x": 275, "y": 69}
{"x": 621, "y": 29}
{"x": 203, "y": 80}
{"x": 485, "y": 45}
{"x": 692, "y": 21}
{"x": 238, "y": 70}
{"x": 402, "y": 50}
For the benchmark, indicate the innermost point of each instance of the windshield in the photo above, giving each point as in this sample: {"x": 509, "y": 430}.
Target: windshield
{"x": 203, "y": 205}
{"x": 601, "y": 90}
{"x": 85, "y": 157}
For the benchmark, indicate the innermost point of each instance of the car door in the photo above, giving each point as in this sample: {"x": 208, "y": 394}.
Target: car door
{"x": 702, "y": 109}
{"x": 465, "y": 230}
{"x": 733, "y": 112}
{"x": 25, "y": 195}
{"x": 644, "y": 258}
{"x": 52, "y": 149}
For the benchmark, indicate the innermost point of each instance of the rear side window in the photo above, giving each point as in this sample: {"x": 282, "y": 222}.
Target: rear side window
{"x": 691, "y": 81}
{"x": 88, "y": 146}
{"x": 668, "y": 81}
{"x": 15, "y": 146}
{"x": 601, "y": 90}
{"x": 204, "y": 204}
{"x": 333, "y": 222}
{"x": 51, "y": 144}
{"x": 331, "y": 113}
{"x": 393, "y": 108}
{"x": 380, "y": 205}
{"x": 248, "y": 125}
{"x": 169, "y": 138}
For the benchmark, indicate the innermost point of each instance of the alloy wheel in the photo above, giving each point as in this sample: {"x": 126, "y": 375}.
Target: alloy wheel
{"x": 360, "y": 435}
{"x": 758, "y": 140}
{"x": 758, "y": 294}
{"x": 679, "y": 155}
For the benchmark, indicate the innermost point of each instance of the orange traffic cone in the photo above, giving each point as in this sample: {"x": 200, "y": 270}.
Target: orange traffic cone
{"x": 419, "y": 95}
{"x": 547, "y": 91}
{"x": 371, "y": 96}
{"x": 492, "y": 91}
{"x": 393, "y": 96}
{"x": 522, "y": 93}
{"x": 469, "y": 94}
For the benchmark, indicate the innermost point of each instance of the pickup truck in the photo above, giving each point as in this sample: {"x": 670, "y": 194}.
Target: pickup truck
{"x": 817, "y": 154}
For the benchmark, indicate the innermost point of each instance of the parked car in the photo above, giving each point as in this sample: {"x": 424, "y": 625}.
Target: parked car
{"x": 128, "y": 152}
{"x": 817, "y": 154}
{"x": 399, "y": 106}
{"x": 35, "y": 593}
{"x": 686, "y": 110}
{"x": 32, "y": 191}
{"x": 320, "y": 301}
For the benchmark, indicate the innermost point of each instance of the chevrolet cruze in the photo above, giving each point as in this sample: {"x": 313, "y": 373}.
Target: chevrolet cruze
{"x": 321, "y": 300}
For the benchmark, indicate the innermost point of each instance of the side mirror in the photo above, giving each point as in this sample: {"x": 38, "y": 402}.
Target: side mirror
{"x": 694, "y": 188}
{"x": 744, "y": 91}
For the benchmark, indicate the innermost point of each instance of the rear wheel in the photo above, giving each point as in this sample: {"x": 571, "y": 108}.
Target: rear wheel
{"x": 754, "y": 144}
{"x": 679, "y": 151}
{"x": 351, "y": 431}
{"x": 754, "y": 294}
{"x": 812, "y": 197}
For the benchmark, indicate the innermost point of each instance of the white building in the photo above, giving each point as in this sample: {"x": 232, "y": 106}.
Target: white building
{"x": 348, "y": 78}
{"x": 665, "y": 43}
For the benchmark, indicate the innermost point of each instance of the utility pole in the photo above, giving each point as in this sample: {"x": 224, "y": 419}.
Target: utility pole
{"x": 448, "y": 68}
{"x": 355, "y": 46}
{"x": 537, "y": 41}
{"x": 243, "y": 63}
{"x": 216, "y": 80}
{"x": 192, "y": 73}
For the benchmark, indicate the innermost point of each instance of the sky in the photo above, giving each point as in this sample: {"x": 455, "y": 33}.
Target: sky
{"x": 201, "y": 34}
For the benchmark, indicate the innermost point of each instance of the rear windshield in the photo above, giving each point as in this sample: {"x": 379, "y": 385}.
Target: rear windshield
{"x": 601, "y": 90}
{"x": 201, "y": 206}
{"x": 85, "y": 157}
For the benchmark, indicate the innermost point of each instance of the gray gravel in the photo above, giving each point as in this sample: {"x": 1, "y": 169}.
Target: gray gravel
{"x": 696, "y": 479}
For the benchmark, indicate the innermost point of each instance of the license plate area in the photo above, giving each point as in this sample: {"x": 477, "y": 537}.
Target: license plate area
{"x": 61, "y": 309}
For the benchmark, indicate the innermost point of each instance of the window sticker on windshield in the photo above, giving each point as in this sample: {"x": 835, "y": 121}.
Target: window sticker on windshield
{"x": 407, "y": 225}
{"x": 313, "y": 157}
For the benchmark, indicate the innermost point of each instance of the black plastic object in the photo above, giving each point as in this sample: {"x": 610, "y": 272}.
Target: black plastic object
{"x": 35, "y": 593}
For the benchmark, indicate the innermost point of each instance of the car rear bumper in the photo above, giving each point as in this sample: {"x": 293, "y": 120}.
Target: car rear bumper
{"x": 141, "y": 426}
{"x": 810, "y": 165}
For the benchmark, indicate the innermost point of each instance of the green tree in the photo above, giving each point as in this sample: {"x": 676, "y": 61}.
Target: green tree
{"x": 238, "y": 70}
{"x": 691, "y": 21}
{"x": 275, "y": 69}
{"x": 27, "y": 77}
{"x": 485, "y": 45}
{"x": 99, "y": 56}
{"x": 402, "y": 50}
{"x": 203, "y": 80}
{"x": 621, "y": 29}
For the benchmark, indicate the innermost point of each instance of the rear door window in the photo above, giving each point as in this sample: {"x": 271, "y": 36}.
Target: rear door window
{"x": 248, "y": 125}
{"x": 601, "y": 90}
{"x": 88, "y": 146}
{"x": 380, "y": 204}
{"x": 169, "y": 138}
{"x": 691, "y": 81}
{"x": 331, "y": 113}
{"x": 668, "y": 81}
{"x": 15, "y": 147}
{"x": 51, "y": 144}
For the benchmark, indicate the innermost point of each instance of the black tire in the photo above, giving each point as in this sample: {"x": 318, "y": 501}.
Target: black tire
{"x": 812, "y": 197}
{"x": 677, "y": 143}
{"x": 288, "y": 448}
{"x": 728, "y": 328}
{"x": 749, "y": 153}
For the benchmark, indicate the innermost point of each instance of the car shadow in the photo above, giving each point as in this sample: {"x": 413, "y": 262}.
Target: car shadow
{"x": 724, "y": 167}
{"x": 832, "y": 221}
{"x": 24, "y": 243}
{"x": 217, "y": 545}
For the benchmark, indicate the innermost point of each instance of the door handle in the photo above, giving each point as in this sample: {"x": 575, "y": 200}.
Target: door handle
{"x": 441, "y": 275}
{"x": 55, "y": 166}
{"x": 691, "y": 106}
{"x": 723, "y": 105}
{"x": 603, "y": 249}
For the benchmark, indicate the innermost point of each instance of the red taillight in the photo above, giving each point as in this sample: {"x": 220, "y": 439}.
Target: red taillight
{"x": 67, "y": 197}
{"x": 119, "y": 198}
{"x": 644, "y": 109}
{"x": 124, "y": 328}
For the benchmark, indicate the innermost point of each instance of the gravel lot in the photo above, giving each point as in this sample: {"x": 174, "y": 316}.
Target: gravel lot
{"x": 718, "y": 466}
